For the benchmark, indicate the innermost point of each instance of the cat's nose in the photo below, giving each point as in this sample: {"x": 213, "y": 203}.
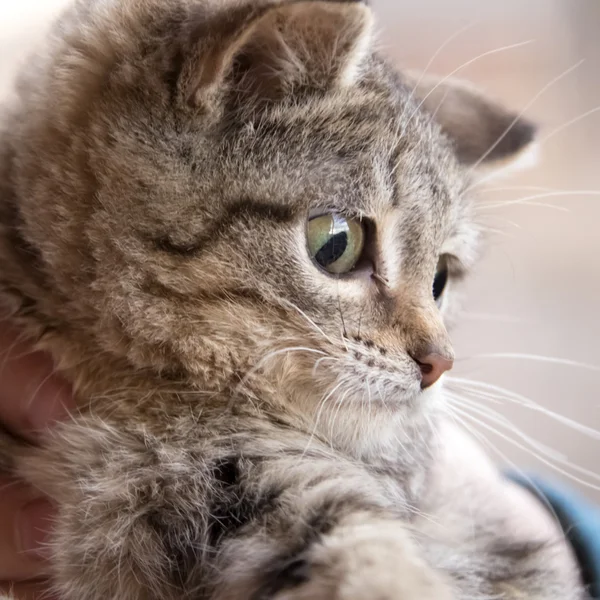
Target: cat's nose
{"x": 433, "y": 365}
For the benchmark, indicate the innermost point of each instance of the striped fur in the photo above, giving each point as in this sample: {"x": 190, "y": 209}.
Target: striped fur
{"x": 249, "y": 427}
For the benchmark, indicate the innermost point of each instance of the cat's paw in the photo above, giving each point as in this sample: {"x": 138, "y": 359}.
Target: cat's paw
{"x": 367, "y": 561}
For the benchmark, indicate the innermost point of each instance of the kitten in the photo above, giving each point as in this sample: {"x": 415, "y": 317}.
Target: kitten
{"x": 224, "y": 220}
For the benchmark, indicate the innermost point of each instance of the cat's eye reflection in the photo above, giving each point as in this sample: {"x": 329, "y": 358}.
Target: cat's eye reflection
{"x": 440, "y": 280}
{"x": 335, "y": 243}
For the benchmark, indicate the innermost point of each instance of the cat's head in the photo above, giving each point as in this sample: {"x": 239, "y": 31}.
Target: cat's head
{"x": 247, "y": 194}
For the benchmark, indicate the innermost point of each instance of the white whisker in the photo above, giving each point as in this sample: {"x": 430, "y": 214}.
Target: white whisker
{"x": 432, "y": 60}
{"x": 496, "y": 417}
{"x": 488, "y": 444}
{"x": 535, "y": 454}
{"x": 564, "y": 126}
{"x": 487, "y": 390}
{"x": 473, "y": 316}
{"x": 463, "y": 66}
{"x": 321, "y": 405}
{"x": 526, "y": 200}
{"x": 552, "y": 82}
{"x": 540, "y": 358}
{"x": 323, "y": 359}
{"x": 307, "y": 318}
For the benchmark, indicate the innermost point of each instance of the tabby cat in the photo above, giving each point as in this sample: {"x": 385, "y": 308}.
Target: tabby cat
{"x": 224, "y": 219}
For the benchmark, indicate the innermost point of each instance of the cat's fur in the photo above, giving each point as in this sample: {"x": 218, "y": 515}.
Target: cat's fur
{"x": 249, "y": 426}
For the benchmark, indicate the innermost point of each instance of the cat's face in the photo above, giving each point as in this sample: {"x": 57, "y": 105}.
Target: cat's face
{"x": 269, "y": 206}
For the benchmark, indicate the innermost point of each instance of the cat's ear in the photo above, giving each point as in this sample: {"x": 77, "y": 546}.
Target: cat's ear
{"x": 483, "y": 132}
{"x": 273, "y": 50}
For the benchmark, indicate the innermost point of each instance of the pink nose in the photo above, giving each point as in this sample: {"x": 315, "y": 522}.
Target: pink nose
{"x": 432, "y": 366}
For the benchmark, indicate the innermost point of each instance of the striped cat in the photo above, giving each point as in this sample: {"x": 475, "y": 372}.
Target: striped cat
{"x": 238, "y": 230}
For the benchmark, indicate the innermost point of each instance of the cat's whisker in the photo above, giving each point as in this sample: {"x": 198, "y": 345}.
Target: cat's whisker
{"x": 496, "y": 231}
{"x": 339, "y": 305}
{"x": 369, "y": 403}
{"x": 482, "y": 439}
{"x": 323, "y": 359}
{"x": 519, "y": 115}
{"x": 503, "y": 421}
{"x": 8, "y": 485}
{"x": 501, "y": 219}
{"x": 287, "y": 351}
{"x": 334, "y": 416}
{"x": 488, "y": 390}
{"x": 320, "y": 407}
{"x": 505, "y": 203}
{"x": 568, "y": 124}
{"x": 540, "y": 358}
{"x": 440, "y": 104}
{"x": 381, "y": 279}
{"x": 425, "y": 71}
{"x": 464, "y": 66}
{"x": 382, "y": 395}
{"x": 543, "y": 453}
{"x": 518, "y": 188}
{"x": 473, "y": 316}
{"x": 360, "y": 316}
{"x": 308, "y": 319}
{"x": 527, "y": 200}
{"x": 535, "y": 454}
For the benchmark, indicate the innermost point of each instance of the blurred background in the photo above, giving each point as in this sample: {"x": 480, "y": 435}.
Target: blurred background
{"x": 530, "y": 329}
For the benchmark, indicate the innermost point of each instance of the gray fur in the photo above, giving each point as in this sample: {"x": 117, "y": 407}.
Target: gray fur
{"x": 156, "y": 174}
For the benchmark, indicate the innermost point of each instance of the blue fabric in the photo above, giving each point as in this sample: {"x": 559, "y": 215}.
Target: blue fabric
{"x": 580, "y": 520}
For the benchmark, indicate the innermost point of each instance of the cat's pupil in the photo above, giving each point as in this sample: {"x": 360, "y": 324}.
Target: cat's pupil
{"x": 440, "y": 280}
{"x": 333, "y": 249}
{"x": 335, "y": 242}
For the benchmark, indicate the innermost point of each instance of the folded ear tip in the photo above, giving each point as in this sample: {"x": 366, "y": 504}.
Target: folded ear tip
{"x": 520, "y": 136}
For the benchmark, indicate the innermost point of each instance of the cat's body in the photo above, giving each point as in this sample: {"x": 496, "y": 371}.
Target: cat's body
{"x": 250, "y": 425}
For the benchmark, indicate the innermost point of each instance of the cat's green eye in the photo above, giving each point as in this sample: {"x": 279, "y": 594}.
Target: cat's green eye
{"x": 335, "y": 242}
{"x": 441, "y": 279}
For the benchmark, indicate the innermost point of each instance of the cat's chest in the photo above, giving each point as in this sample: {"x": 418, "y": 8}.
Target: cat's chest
{"x": 403, "y": 465}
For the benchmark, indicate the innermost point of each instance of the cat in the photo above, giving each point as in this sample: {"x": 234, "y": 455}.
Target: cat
{"x": 225, "y": 221}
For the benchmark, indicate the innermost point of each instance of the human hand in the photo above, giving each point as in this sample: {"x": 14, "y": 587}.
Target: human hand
{"x": 32, "y": 398}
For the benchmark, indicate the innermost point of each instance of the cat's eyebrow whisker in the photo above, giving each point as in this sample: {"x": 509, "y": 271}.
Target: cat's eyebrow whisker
{"x": 440, "y": 49}
{"x": 498, "y": 172}
{"x": 503, "y": 204}
{"x": 463, "y": 66}
{"x": 526, "y": 200}
{"x": 519, "y": 115}
{"x": 488, "y": 390}
{"x": 401, "y": 125}
{"x": 535, "y": 454}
